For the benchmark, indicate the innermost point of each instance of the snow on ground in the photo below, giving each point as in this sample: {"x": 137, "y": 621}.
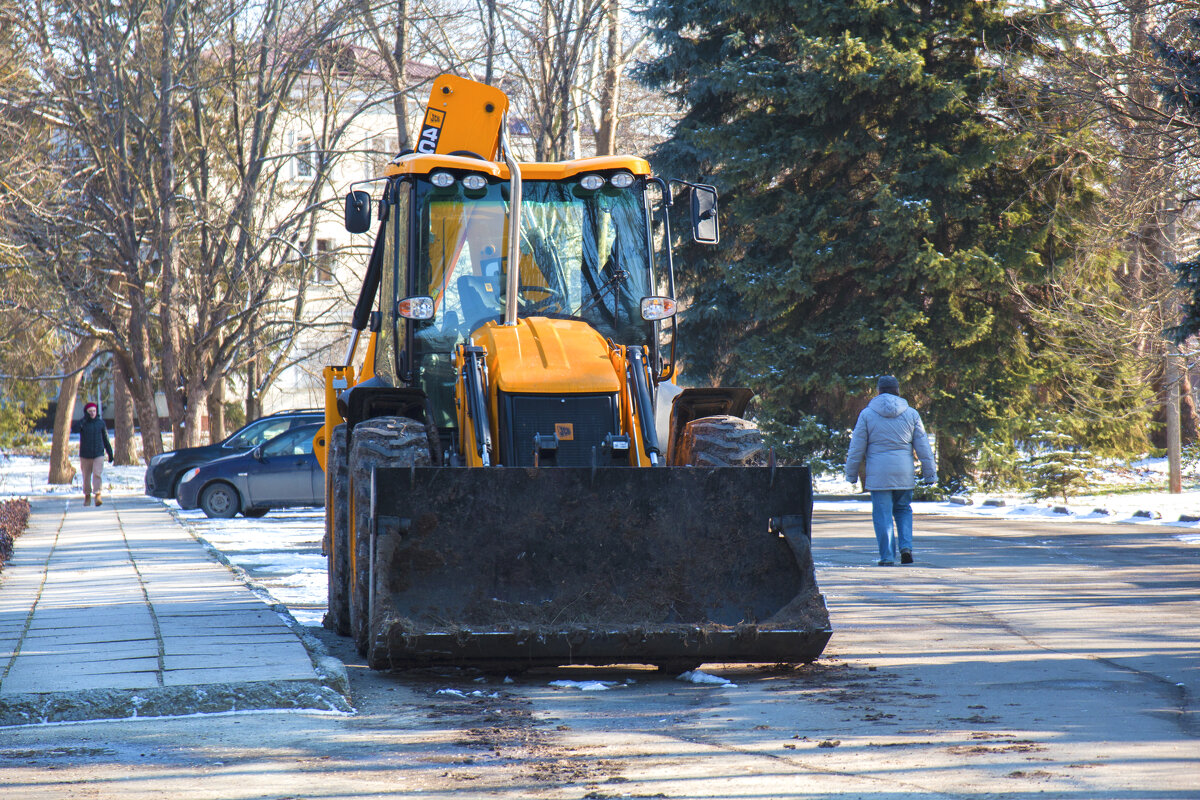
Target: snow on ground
{"x": 1134, "y": 493}
{"x": 281, "y": 552}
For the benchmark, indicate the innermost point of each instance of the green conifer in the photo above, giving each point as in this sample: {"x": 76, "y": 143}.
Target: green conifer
{"x": 877, "y": 209}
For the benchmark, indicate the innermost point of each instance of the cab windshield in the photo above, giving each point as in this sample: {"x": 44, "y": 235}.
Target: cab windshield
{"x": 583, "y": 256}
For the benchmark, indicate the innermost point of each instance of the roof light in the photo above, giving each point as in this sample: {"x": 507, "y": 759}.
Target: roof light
{"x": 415, "y": 307}
{"x": 655, "y": 308}
{"x": 591, "y": 182}
{"x": 474, "y": 182}
{"x": 441, "y": 180}
{"x": 622, "y": 180}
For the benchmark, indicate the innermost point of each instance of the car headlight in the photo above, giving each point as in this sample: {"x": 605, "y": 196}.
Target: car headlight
{"x": 191, "y": 473}
{"x": 158, "y": 459}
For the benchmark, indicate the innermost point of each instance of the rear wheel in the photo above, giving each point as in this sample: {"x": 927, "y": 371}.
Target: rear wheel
{"x": 337, "y": 472}
{"x": 377, "y": 443}
{"x": 721, "y": 441}
{"x": 220, "y": 501}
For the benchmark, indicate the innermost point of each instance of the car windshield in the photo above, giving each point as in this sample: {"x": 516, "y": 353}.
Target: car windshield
{"x": 583, "y": 255}
{"x": 257, "y": 432}
{"x": 297, "y": 442}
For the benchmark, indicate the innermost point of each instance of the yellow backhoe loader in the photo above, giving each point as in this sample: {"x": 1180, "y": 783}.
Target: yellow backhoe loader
{"x": 512, "y": 478}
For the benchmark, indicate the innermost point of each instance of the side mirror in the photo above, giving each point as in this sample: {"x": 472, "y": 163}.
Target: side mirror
{"x": 358, "y": 212}
{"x": 256, "y": 453}
{"x": 704, "y": 215}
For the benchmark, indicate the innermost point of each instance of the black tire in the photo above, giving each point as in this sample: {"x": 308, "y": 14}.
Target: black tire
{"x": 378, "y": 442}
{"x": 721, "y": 441}
{"x": 219, "y": 500}
{"x": 255, "y": 513}
{"x": 337, "y": 472}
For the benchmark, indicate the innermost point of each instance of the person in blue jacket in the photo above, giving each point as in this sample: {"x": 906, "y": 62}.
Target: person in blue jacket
{"x": 886, "y": 435}
{"x": 93, "y": 445}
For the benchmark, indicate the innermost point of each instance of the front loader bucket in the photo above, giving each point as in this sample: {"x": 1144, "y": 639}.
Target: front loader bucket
{"x": 514, "y": 567}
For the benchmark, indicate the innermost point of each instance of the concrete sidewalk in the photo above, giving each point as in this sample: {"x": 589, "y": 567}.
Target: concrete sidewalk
{"x": 118, "y": 611}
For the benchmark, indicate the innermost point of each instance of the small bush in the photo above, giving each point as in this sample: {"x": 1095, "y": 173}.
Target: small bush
{"x": 1058, "y": 466}
{"x": 14, "y": 516}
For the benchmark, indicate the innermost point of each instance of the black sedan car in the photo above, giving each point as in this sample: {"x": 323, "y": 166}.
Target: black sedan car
{"x": 162, "y": 476}
{"x": 277, "y": 474}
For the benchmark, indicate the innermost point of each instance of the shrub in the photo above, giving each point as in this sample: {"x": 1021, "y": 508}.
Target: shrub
{"x": 14, "y": 516}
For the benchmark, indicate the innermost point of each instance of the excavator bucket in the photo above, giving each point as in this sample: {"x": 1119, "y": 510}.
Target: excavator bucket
{"x": 513, "y": 568}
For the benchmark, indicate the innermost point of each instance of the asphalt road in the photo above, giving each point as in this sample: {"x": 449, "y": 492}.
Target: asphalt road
{"x": 1011, "y": 660}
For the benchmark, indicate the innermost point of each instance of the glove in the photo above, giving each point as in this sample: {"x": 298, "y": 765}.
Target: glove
{"x": 929, "y": 481}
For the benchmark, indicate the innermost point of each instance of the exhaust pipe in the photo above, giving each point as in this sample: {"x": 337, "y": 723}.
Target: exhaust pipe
{"x": 514, "y": 227}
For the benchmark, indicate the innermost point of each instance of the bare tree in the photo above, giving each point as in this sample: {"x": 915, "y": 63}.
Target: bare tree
{"x": 1104, "y": 69}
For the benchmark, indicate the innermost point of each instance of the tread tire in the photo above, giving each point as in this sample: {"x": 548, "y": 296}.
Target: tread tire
{"x": 721, "y": 441}
{"x": 378, "y": 442}
{"x": 337, "y": 619}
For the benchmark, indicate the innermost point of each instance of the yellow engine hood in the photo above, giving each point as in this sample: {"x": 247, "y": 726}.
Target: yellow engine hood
{"x": 547, "y": 356}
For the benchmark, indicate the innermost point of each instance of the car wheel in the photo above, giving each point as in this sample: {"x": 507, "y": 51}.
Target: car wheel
{"x": 220, "y": 501}
{"x": 255, "y": 513}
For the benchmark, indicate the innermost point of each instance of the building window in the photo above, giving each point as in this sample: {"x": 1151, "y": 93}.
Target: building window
{"x": 307, "y": 158}
{"x": 323, "y": 261}
{"x": 385, "y": 149}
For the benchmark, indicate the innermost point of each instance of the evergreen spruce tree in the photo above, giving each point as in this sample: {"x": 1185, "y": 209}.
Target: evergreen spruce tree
{"x": 876, "y": 209}
{"x": 1057, "y": 465}
{"x": 1180, "y": 90}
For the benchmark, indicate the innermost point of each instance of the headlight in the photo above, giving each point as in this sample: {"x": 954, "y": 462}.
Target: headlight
{"x": 191, "y": 473}
{"x": 591, "y": 182}
{"x": 415, "y": 308}
{"x": 441, "y": 180}
{"x": 657, "y": 308}
{"x": 158, "y": 459}
{"x": 474, "y": 182}
{"x": 622, "y": 180}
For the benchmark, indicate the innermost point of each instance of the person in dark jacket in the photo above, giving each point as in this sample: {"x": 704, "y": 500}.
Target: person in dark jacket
{"x": 885, "y": 437}
{"x": 93, "y": 446}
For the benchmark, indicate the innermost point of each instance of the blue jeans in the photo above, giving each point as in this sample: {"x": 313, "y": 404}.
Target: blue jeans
{"x": 885, "y": 504}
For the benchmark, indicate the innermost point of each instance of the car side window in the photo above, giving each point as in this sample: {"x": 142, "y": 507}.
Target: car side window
{"x": 243, "y": 437}
{"x": 259, "y": 433}
{"x": 293, "y": 443}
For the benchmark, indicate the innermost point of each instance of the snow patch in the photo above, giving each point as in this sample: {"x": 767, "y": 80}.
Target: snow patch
{"x": 696, "y": 676}
{"x": 588, "y": 686}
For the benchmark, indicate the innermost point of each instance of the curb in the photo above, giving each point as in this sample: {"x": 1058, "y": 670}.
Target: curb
{"x": 117, "y": 704}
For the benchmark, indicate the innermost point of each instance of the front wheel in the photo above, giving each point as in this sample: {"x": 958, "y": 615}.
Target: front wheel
{"x": 337, "y": 517}
{"x": 220, "y": 501}
{"x": 376, "y": 443}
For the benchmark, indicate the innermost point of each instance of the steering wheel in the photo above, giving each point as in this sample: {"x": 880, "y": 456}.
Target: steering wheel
{"x": 552, "y": 298}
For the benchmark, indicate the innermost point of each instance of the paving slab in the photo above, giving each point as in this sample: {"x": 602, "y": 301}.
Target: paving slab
{"x": 99, "y": 605}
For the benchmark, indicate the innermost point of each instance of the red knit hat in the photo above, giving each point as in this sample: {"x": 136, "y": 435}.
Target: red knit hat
{"x": 90, "y": 405}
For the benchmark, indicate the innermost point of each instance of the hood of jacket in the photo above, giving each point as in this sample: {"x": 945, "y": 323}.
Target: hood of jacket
{"x": 888, "y": 405}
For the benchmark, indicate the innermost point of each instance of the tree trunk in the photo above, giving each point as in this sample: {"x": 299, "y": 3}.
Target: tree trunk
{"x": 952, "y": 460}
{"x": 400, "y": 56}
{"x": 61, "y": 470}
{"x": 136, "y": 365}
{"x": 610, "y": 87}
{"x": 216, "y": 412}
{"x": 253, "y": 401}
{"x": 124, "y": 453}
